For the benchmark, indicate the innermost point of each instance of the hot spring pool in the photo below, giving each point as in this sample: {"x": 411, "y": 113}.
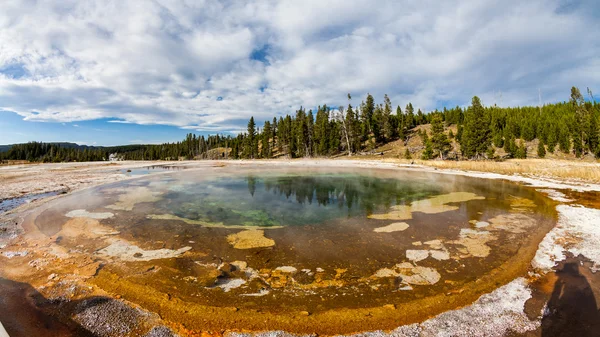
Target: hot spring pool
{"x": 250, "y": 248}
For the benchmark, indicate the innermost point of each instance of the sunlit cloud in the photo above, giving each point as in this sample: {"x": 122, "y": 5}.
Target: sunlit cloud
{"x": 209, "y": 66}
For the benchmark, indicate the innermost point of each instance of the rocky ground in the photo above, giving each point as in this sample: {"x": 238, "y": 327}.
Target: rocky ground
{"x": 559, "y": 297}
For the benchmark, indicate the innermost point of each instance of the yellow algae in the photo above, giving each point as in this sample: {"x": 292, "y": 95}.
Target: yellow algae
{"x": 133, "y": 196}
{"x": 205, "y": 223}
{"x": 339, "y": 272}
{"x": 521, "y": 204}
{"x": 433, "y": 205}
{"x": 394, "y": 227}
{"x": 85, "y": 227}
{"x": 400, "y": 212}
{"x": 252, "y": 238}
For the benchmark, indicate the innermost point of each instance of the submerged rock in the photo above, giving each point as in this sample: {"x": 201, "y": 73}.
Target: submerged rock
{"x": 419, "y": 275}
{"x": 474, "y": 242}
{"x": 410, "y": 274}
{"x": 438, "y": 251}
{"x": 417, "y": 255}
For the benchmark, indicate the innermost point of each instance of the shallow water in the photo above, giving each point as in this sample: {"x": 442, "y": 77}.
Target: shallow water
{"x": 300, "y": 239}
{"x": 12, "y": 203}
{"x": 150, "y": 169}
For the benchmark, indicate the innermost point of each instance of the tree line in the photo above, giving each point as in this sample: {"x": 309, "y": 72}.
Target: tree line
{"x": 569, "y": 127}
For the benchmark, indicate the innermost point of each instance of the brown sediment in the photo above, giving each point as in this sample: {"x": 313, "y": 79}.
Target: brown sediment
{"x": 197, "y": 317}
{"x": 249, "y": 239}
{"x": 85, "y": 227}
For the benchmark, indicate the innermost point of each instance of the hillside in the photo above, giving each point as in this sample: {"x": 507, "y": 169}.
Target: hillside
{"x": 396, "y": 149}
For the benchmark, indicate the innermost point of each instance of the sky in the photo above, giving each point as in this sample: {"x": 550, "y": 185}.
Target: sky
{"x": 124, "y": 72}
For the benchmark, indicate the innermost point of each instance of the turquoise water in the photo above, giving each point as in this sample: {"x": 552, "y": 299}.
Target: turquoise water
{"x": 292, "y": 199}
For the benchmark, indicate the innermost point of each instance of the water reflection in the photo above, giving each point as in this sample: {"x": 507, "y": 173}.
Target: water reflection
{"x": 294, "y": 199}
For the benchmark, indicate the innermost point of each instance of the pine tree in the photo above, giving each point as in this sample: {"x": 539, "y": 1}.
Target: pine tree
{"x": 368, "y": 111}
{"x": 428, "y": 153}
{"x": 407, "y": 154}
{"x": 266, "y": 140}
{"x": 401, "y": 123}
{"x": 475, "y": 139}
{"x": 541, "y": 150}
{"x": 490, "y": 153}
{"x": 510, "y": 147}
{"x": 440, "y": 142}
{"x": 410, "y": 116}
{"x": 377, "y": 123}
{"x": 521, "y": 151}
{"x": 251, "y": 139}
{"x": 310, "y": 128}
{"x": 388, "y": 130}
{"x": 563, "y": 138}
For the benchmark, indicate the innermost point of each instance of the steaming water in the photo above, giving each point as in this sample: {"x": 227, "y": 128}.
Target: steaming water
{"x": 303, "y": 239}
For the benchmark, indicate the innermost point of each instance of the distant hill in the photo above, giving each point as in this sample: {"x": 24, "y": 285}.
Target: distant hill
{"x": 64, "y": 145}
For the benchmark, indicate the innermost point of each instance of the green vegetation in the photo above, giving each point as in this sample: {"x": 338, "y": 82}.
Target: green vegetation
{"x": 571, "y": 126}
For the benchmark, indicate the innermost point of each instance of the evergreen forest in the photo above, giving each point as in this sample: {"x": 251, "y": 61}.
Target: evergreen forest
{"x": 571, "y": 127}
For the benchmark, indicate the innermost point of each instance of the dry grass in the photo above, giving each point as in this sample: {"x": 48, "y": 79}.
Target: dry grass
{"x": 572, "y": 170}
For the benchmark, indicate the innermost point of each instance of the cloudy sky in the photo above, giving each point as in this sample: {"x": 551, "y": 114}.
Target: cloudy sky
{"x": 126, "y": 71}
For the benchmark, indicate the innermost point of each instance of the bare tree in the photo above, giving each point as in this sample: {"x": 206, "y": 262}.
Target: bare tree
{"x": 342, "y": 117}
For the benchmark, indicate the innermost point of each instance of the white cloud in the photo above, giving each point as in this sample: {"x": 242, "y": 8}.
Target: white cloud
{"x": 189, "y": 63}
